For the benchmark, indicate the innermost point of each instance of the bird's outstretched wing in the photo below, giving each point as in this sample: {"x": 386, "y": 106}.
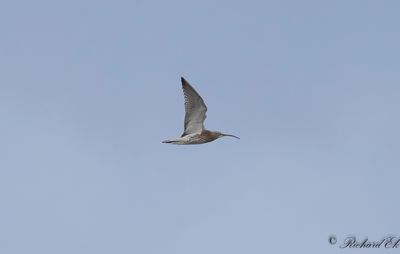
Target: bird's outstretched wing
{"x": 195, "y": 109}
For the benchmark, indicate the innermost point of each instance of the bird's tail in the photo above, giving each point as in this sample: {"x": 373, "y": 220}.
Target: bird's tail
{"x": 173, "y": 141}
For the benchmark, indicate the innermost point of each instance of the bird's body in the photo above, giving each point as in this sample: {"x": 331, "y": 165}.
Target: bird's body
{"x": 195, "y": 114}
{"x": 194, "y": 138}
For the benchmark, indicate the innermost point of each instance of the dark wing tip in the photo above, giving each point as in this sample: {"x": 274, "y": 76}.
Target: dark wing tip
{"x": 183, "y": 80}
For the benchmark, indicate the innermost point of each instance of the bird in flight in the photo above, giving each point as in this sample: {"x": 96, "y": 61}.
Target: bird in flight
{"x": 195, "y": 114}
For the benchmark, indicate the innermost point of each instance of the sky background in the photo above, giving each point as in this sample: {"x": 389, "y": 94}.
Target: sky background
{"x": 89, "y": 89}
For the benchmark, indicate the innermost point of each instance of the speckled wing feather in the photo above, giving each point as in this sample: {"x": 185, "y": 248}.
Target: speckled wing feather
{"x": 195, "y": 109}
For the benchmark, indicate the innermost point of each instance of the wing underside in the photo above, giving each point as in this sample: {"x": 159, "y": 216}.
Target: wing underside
{"x": 195, "y": 110}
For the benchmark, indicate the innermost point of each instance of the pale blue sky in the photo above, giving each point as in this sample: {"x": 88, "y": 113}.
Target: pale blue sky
{"x": 89, "y": 89}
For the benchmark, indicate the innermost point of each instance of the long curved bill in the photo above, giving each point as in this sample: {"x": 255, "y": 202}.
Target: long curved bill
{"x": 228, "y": 135}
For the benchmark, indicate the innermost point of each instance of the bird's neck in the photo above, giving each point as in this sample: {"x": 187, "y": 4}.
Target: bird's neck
{"x": 210, "y": 134}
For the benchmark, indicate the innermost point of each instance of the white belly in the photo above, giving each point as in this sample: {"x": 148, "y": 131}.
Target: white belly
{"x": 190, "y": 139}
